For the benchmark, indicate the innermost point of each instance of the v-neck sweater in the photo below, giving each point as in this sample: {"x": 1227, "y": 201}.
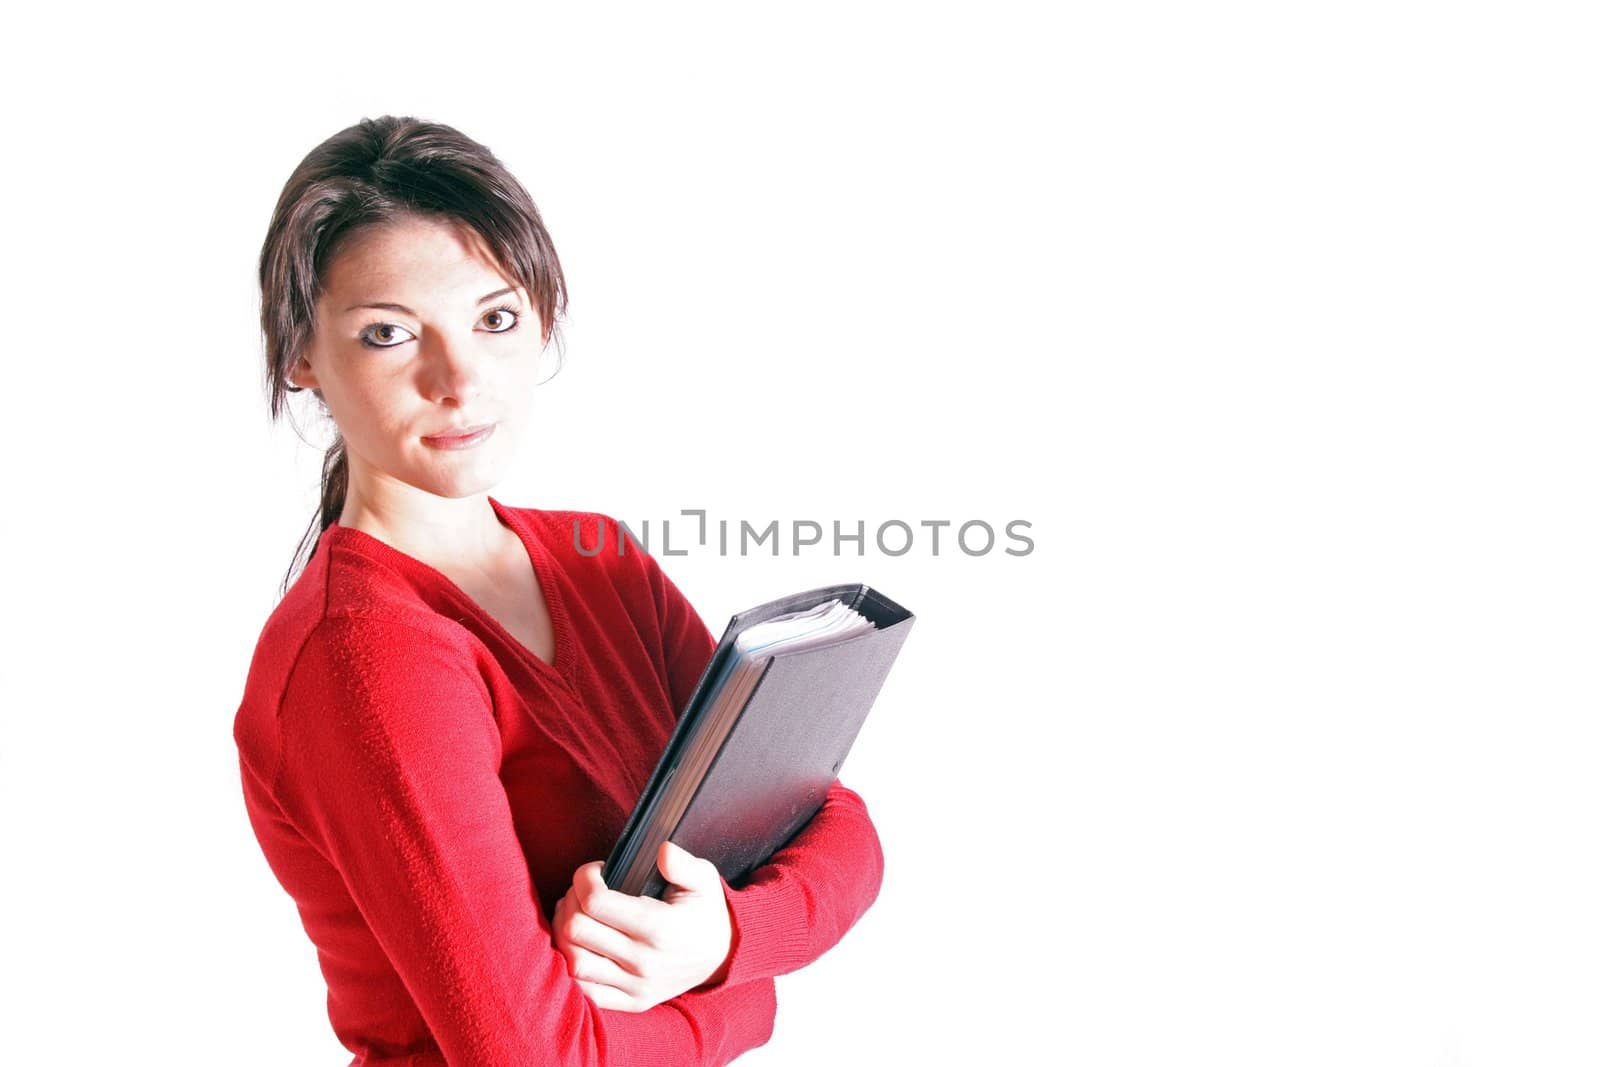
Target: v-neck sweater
{"x": 424, "y": 786}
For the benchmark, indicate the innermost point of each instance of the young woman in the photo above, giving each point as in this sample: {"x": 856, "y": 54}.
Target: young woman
{"x": 451, "y": 711}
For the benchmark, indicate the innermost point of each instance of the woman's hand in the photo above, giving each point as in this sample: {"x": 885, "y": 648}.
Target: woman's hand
{"x": 631, "y": 953}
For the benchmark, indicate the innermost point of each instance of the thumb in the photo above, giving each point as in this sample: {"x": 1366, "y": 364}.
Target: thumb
{"x": 682, "y": 868}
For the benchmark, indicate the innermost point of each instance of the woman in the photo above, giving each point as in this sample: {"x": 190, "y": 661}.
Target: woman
{"x": 451, "y": 711}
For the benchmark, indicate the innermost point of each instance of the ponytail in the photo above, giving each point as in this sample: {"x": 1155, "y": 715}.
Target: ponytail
{"x": 335, "y": 484}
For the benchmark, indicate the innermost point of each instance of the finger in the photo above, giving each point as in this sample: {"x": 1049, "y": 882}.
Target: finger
{"x": 570, "y": 927}
{"x": 559, "y": 918}
{"x": 689, "y": 878}
{"x": 636, "y": 917}
{"x": 589, "y": 966}
{"x": 605, "y": 996}
{"x": 682, "y": 868}
{"x": 590, "y": 873}
{"x": 587, "y": 932}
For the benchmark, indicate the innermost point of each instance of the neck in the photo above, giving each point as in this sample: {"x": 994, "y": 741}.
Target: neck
{"x": 441, "y": 531}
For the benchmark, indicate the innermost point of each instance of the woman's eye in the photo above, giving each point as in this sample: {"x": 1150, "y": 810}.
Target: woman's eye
{"x": 499, "y": 315}
{"x": 388, "y": 335}
{"x": 383, "y": 334}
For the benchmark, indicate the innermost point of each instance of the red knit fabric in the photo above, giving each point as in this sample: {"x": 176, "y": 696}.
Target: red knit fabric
{"x": 424, "y": 786}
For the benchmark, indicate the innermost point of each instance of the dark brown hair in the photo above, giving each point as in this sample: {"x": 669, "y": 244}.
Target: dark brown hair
{"x": 374, "y": 172}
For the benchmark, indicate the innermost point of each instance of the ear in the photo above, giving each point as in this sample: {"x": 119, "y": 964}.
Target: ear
{"x": 302, "y": 376}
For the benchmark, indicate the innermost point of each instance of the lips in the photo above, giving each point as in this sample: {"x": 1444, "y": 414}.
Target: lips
{"x": 465, "y": 437}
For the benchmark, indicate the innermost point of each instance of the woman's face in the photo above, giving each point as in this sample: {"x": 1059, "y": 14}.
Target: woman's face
{"x": 418, "y": 338}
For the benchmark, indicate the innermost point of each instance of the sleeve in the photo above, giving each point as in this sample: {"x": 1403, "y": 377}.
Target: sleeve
{"x": 390, "y": 764}
{"x": 801, "y": 902}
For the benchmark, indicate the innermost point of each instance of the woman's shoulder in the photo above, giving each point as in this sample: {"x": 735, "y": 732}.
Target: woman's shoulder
{"x": 348, "y": 610}
{"x": 354, "y": 585}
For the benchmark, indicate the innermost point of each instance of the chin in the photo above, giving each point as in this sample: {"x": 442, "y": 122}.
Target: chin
{"x": 458, "y": 483}
{"x": 478, "y": 482}
{"x": 460, "y": 475}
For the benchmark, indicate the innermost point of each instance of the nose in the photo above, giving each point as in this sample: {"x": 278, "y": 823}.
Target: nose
{"x": 452, "y": 369}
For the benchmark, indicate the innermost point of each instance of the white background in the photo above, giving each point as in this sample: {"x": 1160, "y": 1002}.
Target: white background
{"x": 1276, "y": 321}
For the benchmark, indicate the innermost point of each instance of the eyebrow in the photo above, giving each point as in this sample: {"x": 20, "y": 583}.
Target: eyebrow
{"x": 407, "y": 311}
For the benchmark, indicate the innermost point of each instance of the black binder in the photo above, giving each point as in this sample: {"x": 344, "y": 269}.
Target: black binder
{"x": 770, "y": 774}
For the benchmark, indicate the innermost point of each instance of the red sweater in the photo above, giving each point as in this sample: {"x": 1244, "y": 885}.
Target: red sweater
{"x": 424, "y": 787}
